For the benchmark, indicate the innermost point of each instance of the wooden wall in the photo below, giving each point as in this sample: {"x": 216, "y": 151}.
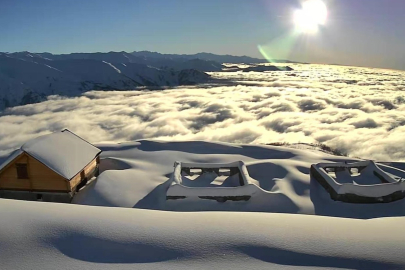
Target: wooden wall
{"x": 85, "y": 173}
{"x": 41, "y": 178}
{"x": 8, "y": 178}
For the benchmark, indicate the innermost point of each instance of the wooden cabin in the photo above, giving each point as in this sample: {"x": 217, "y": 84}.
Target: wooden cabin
{"x": 50, "y": 167}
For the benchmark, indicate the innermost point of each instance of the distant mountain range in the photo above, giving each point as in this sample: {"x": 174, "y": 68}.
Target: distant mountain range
{"x": 207, "y": 57}
{"x": 30, "y": 77}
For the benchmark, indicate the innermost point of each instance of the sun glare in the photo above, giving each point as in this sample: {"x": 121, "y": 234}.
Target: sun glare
{"x": 312, "y": 14}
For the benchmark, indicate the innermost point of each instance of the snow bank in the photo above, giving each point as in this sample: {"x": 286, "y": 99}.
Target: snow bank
{"x": 138, "y": 175}
{"x": 38, "y": 235}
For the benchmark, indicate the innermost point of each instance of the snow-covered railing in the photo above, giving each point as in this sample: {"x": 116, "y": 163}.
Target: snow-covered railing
{"x": 178, "y": 190}
{"x": 389, "y": 190}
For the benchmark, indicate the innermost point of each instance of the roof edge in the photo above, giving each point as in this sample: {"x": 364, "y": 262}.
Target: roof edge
{"x": 63, "y": 130}
{"x": 13, "y": 156}
{"x": 45, "y": 165}
{"x": 34, "y": 156}
{"x": 67, "y": 179}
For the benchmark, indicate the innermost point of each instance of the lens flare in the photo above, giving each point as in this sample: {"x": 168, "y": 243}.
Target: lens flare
{"x": 279, "y": 47}
{"x": 312, "y": 14}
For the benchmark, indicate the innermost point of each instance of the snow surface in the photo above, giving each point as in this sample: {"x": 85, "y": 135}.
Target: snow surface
{"x": 63, "y": 152}
{"x": 39, "y": 235}
{"x": 28, "y": 78}
{"x": 138, "y": 175}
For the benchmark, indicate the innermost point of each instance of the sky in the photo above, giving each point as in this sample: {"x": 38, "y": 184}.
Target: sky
{"x": 357, "y": 32}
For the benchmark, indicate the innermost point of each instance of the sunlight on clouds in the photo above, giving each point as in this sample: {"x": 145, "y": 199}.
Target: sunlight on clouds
{"x": 359, "y": 111}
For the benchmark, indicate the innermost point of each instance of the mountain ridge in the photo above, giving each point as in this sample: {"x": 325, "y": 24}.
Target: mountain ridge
{"x": 220, "y": 58}
{"x": 226, "y": 58}
{"x": 30, "y": 77}
{"x": 27, "y": 77}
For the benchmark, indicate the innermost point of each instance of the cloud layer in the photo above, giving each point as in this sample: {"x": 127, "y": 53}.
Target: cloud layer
{"x": 359, "y": 111}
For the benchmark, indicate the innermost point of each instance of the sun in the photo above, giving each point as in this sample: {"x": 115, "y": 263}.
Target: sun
{"x": 312, "y": 14}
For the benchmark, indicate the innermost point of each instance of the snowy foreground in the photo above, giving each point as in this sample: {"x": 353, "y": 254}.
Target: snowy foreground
{"x": 320, "y": 233}
{"x": 60, "y": 236}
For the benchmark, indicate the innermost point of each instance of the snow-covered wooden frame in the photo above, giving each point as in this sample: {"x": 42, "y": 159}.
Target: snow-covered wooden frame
{"x": 389, "y": 190}
{"x": 179, "y": 191}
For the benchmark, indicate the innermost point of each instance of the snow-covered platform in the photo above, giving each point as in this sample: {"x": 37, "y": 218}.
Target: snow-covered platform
{"x": 359, "y": 182}
{"x": 139, "y": 174}
{"x": 235, "y": 184}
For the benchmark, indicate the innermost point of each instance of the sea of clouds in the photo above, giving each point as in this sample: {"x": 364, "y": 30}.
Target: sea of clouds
{"x": 359, "y": 111}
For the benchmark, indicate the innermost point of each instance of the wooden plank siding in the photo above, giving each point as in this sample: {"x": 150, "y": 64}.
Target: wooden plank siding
{"x": 43, "y": 178}
{"x": 84, "y": 173}
{"x": 40, "y": 177}
{"x": 8, "y": 176}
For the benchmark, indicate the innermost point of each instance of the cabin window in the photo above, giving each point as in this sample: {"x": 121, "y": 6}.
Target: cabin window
{"x": 22, "y": 171}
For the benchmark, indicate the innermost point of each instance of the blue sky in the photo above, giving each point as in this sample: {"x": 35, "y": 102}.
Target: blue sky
{"x": 358, "y": 32}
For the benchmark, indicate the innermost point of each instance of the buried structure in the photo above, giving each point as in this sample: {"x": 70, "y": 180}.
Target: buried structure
{"x": 50, "y": 168}
{"x": 359, "y": 182}
{"x": 215, "y": 181}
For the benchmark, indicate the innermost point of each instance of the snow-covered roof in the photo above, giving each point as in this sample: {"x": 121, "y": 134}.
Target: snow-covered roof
{"x": 63, "y": 152}
{"x": 13, "y": 155}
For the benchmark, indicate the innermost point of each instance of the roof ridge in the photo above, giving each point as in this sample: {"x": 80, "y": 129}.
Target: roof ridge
{"x": 77, "y": 136}
{"x": 64, "y": 152}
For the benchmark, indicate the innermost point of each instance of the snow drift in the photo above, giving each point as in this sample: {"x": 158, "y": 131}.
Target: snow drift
{"x": 140, "y": 175}
{"x": 82, "y": 237}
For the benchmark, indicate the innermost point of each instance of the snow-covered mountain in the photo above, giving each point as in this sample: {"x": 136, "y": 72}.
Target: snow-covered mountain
{"x": 177, "y": 63}
{"x": 28, "y": 77}
{"x": 207, "y": 57}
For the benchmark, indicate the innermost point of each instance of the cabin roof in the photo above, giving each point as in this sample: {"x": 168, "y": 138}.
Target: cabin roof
{"x": 63, "y": 152}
